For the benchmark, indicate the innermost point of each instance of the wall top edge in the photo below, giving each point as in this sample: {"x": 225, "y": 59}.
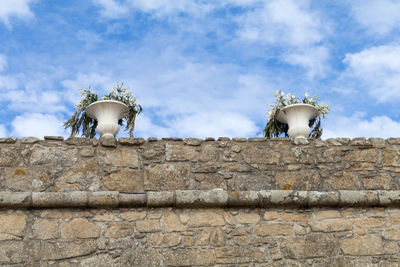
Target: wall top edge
{"x": 124, "y": 141}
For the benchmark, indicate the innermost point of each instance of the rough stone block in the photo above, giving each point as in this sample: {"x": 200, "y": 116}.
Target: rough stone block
{"x": 179, "y": 152}
{"x": 273, "y": 229}
{"x": 310, "y": 246}
{"x": 131, "y": 141}
{"x": 20, "y": 252}
{"x": 12, "y": 226}
{"x": 321, "y": 199}
{"x": 119, "y": 230}
{"x": 167, "y": 176}
{"x": 236, "y": 255}
{"x": 56, "y": 250}
{"x": 367, "y": 246}
{"x": 164, "y": 240}
{"x": 192, "y": 141}
{"x": 358, "y": 198}
{"x": 30, "y": 140}
{"x": 123, "y": 180}
{"x": 389, "y": 198}
{"x": 108, "y": 141}
{"x": 80, "y": 228}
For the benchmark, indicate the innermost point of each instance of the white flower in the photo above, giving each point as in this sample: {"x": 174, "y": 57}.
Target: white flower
{"x": 282, "y": 93}
{"x": 306, "y": 95}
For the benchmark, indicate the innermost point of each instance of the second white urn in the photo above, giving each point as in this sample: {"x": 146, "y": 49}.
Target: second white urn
{"x": 107, "y": 113}
{"x": 297, "y": 117}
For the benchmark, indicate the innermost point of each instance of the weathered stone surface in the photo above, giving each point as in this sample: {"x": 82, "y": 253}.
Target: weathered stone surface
{"x": 55, "y": 250}
{"x": 9, "y": 157}
{"x": 45, "y": 229}
{"x": 205, "y": 168}
{"x": 248, "y": 218}
{"x": 391, "y": 157}
{"x": 161, "y": 199}
{"x": 335, "y": 225}
{"x": 382, "y": 181}
{"x": 179, "y": 152}
{"x": 209, "y": 181}
{"x": 108, "y": 141}
{"x": 123, "y": 157}
{"x": 192, "y": 141}
{"x": 206, "y": 218}
{"x": 133, "y": 215}
{"x": 123, "y": 180}
{"x": 28, "y": 179}
{"x": 189, "y": 257}
{"x": 310, "y": 246}
{"x": 53, "y": 156}
{"x": 363, "y": 155}
{"x": 87, "y": 152}
{"x": 145, "y": 257}
{"x": 99, "y": 260}
{"x": 80, "y": 228}
{"x": 273, "y": 229}
{"x": 18, "y": 252}
{"x": 164, "y": 240}
{"x": 240, "y": 255}
{"x": 131, "y": 141}
{"x": 15, "y": 199}
{"x": 366, "y": 245}
{"x": 172, "y": 223}
{"x": 148, "y": 226}
{"x": 168, "y": 176}
{"x": 119, "y": 230}
{"x": 30, "y": 140}
{"x": 12, "y": 226}
{"x": 259, "y": 154}
{"x": 84, "y": 175}
{"x": 246, "y": 181}
{"x": 209, "y": 153}
{"x": 371, "y": 222}
{"x": 59, "y": 199}
{"x": 326, "y": 214}
{"x": 216, "y": 238}
{"x": 298, "y": 180}
{"x": 103, "y": 199}
{"x": 344, "y": 181}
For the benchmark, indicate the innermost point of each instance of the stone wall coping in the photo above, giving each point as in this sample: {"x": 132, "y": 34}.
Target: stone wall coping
{"x": 359, "y": 141}
{"x": 200, "y": 199}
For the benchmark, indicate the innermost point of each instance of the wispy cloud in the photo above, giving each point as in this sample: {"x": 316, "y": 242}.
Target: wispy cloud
{"x": 377, "y": 69}
{"x": 378, "y": 17}
{"x": 15, "y": 8}
{"x": 37, "y": 124}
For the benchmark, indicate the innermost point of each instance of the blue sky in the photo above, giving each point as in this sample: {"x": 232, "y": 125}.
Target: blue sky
{"x": 201, "y": 68}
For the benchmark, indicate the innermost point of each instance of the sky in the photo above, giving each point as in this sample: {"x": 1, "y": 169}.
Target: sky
{"x": 201, "y": 68}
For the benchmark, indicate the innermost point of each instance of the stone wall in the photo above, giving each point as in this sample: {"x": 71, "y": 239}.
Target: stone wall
{"x": 192, "y": 202}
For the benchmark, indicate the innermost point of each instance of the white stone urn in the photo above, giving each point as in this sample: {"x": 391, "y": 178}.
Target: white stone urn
{"x": 107, "y": 113}
{"x": 297, "y": 117}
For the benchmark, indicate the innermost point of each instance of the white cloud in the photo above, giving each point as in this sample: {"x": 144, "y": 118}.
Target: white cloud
{"x": 379, "y": 17}
{"x": 118, "y": 9}
{"x": 37, "y": 124}
{"x": 17, "y": 8}
{"x": 3, "y": 131}
{"x": 282, "y": 22}
{"x": 378, "y": 70}
{"x": 313, "y": 59}
{"x": 358, "y": 126}
{"x": 88, "y": 37}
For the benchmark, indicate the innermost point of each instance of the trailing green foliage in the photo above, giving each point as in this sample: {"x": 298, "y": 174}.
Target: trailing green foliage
{"x": 80, "y": 122}
{"x": 275, "y": 128}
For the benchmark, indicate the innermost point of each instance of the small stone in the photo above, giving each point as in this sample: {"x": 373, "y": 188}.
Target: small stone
{"x": 239, "y": 139}
{"x": 164, "y": 240}
{"x": 242, "y": 240}
{"x": 119, "y": 230}
{"x": 248, "y": 218}
{"x": 301, "y": 141}
{"x": 152, "y": 139}
{"x": 209, "y": 139}
{"x": 53, "y": 138}
{"x": 327, "y": 226}
{"x": 367, "y": 246}
{"x": 392, "y": 233}
{"x": 172, "y": 223}
{"x": 193, "y": 141}
{"x": 257, "y": 139}
{"x": 359, "y": 141}
{"x": 273, "y": 229}
{"x": 371, "y": 222}
{"x": 167, "y": 176}
{"x": 30, "y": 140}
{"x": 270, "y": 215}
{"x": 311, "y": 246}
{"x": 56, "y": 250}
{"x": 179, "y": 152}
{"x": 80, "y": 228}
{"x": 326, "y": 214}
{"x": 133, "y": 215}
{"x": 87, "y": 152}
{"x": 148, "y": 226}
{"x": 108, "y": 141}
{"x": 206, "y": 218}
{"x": 131, "y": 141}
{"x": 224, "y": 139}
{"x": 333, "y": 142}
{"x": 377, "y": 142}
